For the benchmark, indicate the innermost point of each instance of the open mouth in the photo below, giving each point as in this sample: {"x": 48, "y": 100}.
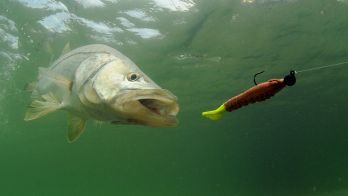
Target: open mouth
{"x": 160, "y": 107}
{"x": 152, "y": 107}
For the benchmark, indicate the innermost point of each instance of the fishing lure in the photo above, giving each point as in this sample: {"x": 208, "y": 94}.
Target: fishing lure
{"x": 259, "y": 92}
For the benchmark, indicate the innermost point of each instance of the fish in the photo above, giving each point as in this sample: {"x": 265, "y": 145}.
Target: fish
{"x": 97, "y": 82}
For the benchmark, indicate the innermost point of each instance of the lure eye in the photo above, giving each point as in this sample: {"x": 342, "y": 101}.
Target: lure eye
{"x": 133, "y": 77}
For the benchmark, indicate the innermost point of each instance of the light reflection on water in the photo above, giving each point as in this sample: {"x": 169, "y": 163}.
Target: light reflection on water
{"x": 140, "y": 14}
{"x": 44, "y": 4}
{"x": 60, "y": 22}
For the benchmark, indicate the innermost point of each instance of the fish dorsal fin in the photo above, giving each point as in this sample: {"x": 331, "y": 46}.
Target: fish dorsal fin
{"x": 55, "y": 77}
{"x": 41, "y": 106}
{"x": 66, "y": 49}
{"x": 76, "y": 126}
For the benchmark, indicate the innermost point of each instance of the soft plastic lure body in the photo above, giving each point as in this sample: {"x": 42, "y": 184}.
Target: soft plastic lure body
{"x": 257, "y": 93}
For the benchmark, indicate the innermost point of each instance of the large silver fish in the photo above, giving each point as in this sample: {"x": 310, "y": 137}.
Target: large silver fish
{"x": 98, "y": 82}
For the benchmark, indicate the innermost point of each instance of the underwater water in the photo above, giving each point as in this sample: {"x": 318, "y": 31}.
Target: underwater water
{"x": 204, "y": 52}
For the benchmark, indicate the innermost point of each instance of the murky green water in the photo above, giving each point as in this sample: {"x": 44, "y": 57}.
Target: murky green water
{"x": 204, "y": 52}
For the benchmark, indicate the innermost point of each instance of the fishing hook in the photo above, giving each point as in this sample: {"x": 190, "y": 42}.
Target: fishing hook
{"x": 256, "y": 75}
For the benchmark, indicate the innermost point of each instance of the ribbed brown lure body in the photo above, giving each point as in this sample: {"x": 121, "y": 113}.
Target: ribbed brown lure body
{"x": 256, "y": 93}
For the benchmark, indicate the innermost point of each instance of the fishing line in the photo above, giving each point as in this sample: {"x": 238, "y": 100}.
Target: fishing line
{"x": 322, "y": 67}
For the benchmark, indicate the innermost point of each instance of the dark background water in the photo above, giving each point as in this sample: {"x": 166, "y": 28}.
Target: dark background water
{"x": 204, "y": 52}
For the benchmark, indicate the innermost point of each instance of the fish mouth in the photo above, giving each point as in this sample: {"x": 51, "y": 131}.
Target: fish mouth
{"x": 159, "y": 107}
{"x": 152, "y": 107}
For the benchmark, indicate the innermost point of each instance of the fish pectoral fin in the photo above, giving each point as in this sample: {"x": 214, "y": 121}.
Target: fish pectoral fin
{"x": 41, "y": 106}
{"x": 76, "y": 126}
{"x": 215, "y": 114}
{"x": 55, "y": 77}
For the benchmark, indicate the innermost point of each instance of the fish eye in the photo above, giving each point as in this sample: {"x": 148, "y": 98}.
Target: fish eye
{"x": 133, "y": 77}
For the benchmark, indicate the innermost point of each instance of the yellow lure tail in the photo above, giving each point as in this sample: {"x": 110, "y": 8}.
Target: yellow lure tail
{"x": 215, "y": 114}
